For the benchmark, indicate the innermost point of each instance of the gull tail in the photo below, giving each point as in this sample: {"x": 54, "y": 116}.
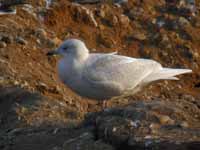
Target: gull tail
{"x": 166, "y": 74}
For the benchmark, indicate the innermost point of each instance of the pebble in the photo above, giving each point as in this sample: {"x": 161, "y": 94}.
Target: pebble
{"x": 2, "y": 44}
{"x": 164, "y": 119}
{"x": 102, "y": 13}
{"x": 165, "y": 41}
{"x": 114, "y": 20}
{"x": 16, "y": 82}
{"x": 102, "y": 39}
{"x": 57, "y": 41}
{"x": 6, "y": 38}
{"x": 24, "y": 84}
{"x": 184, "y": 124}
{"x": 124, "y": 20}
{"x": 85, "y": 14}
{"x": 101, "y": 27}
{"x": 136, "y": 13}
{"x": 114, "y": 129}
{"x": 196, "y": 55}
{"x": 148, "y": 143}
{"x": 160, "y": 23}
{"x": 183, "y": 22}
{"x": 139, "y": 36}
{"x": 41, "y": 33}
{"x": 197, "y": 23}
{"x": 135, "y": 123}
{"x": 87, "y": 1}
{"x": 48, "y": 3}
{"x": 57, "y": 148}
{"x": 154, "y": 126}
{"x": 120, "y": 1}
{"x": 54, "y": 89}
{"x": 49, "y": 42}
{"x": 29, "y": 9}
{"x": 148, "y": 137}
{"x": 42, "y": 86}
{"x": 21, "y": 41}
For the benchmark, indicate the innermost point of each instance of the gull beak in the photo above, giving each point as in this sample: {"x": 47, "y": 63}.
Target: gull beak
{"x": 52, "y": 53}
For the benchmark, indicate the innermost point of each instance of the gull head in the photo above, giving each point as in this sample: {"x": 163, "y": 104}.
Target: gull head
{"x": 71, "y": 48}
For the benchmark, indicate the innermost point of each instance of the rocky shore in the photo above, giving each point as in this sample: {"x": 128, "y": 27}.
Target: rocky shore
{"x": 38, "y": 112}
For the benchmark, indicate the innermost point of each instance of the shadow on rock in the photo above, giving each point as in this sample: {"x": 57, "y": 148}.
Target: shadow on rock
{"x": 11, "y": 99}
{"x": 147, "y": 125}
{"x": 140, "y": 125}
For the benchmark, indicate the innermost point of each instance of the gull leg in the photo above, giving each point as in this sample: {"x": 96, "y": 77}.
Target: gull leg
{"x": 103, "y": 104}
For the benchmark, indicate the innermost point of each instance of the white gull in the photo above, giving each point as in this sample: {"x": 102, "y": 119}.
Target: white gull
{"x": 102, "y": 76}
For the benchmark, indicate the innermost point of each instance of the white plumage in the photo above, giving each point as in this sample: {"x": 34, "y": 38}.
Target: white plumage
{"x": 102, "y": 76}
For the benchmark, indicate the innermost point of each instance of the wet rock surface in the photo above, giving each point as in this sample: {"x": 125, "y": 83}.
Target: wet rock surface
{"x": 38, "y": 112}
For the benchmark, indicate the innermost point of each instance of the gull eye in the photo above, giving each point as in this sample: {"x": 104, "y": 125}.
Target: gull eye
{"x": 65, "y": 48}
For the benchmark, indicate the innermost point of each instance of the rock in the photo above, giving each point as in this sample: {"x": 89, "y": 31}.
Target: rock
{"x": 82, "y": 13}
{"x": 99, "y": 1}
{"x": 8, "y": 6}
{"x": 197, "y": 23}
{"x": 57, "y": 148}
{"x": 21, "y": 41}
{"x": 196, "y": 55}
{"x": 30, "y": 10}
{"x": 114, "y": 20}
{"x": 49, "y": 42}
{"x": 8, "y": 39}
{"x": 165, "y": 120}
{"x": 2, "y": 44}
{"x": 165, "y": 41}
{"x": 42, "y": 87}
{"x": 86, "y": 142}
{"x": 120, "y": 1}
{"x": 56, "y": 41}
{"x": 103, "y": 39}
{"x": 159, "y": 22}
{"x": 185, "y": 51}
{"x": 16, "y": 82}
{"x": 101, "y": 27}
{"x": 42, "y": 38}
{"x": 107, "y": 17}
{"x": 87, "y": 1}
{"x": 184, "y": 124}
{"x": 80, "y": 142}
{"x": 155, "y": 127}
{"x": 48, "y": 3}
{"x": 171, "y": 24}
{"x": 135, "y": 13}
{"x": 183, "y": 22}
{"x": 124, "y": 20}
{"x": 11, "y": 3}
{"x": 188, "y": 5}
{"x": 41, "y": 33}
{"x": 102, "y": 13}
{"x": 139, "y": 36}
